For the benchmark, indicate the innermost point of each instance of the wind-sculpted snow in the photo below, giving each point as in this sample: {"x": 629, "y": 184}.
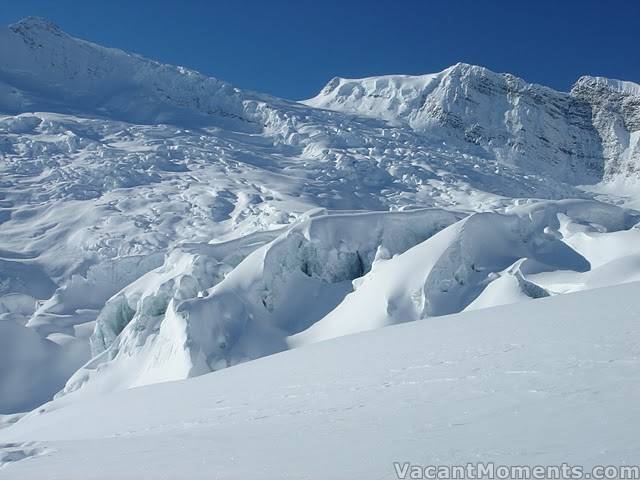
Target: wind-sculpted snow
{"x": 464, "y": 264}
{"x": 230, "y": 309}
{"x": 181, "y": 225}
{"x": 330, "y": 275}
{"x": 188, "y": 271}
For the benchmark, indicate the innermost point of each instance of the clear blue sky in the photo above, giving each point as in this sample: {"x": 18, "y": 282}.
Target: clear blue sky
{"x": 292, "y": 48}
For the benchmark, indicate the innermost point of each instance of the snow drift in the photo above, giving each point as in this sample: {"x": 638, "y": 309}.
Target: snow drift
{"x": 330, "y": 275}
{"x": 208, "y": 307}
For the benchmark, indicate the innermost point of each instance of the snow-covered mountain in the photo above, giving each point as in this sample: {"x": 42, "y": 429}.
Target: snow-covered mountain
{"x": 615, "y": 110}
{"x": 44, "y": 69}
{"x": 579, "y": 137}
{"x": 157, "y": 224}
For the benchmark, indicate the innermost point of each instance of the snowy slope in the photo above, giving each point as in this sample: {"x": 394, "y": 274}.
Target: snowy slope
{"x": 185, "y": 319}
{"x": 157, "y": 224}
{"x": 544, "y": 382}
{"x": 43, "y": 68}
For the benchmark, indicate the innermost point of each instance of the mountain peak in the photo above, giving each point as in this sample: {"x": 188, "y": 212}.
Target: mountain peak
{"x": 619, "y": 86}
{"x": 44, "y": 68}
{"x": 35, "y": 23}
{"x": 463, "y": 67}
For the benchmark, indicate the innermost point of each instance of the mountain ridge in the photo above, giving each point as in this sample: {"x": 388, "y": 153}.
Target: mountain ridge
{"x": 485, "y": 108}
{"x": 159, "y": 224}
{"x": 563, "y": 134}
{"x": 58, "y": 70}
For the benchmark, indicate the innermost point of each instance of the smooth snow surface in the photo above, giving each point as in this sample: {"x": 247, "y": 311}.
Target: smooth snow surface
{"x": 541, "y": 382}
{"x": 157, "y": 224}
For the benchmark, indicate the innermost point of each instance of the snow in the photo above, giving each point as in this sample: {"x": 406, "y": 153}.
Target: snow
{"x": 620, "y": 86}
{"x": 105, "y": 81}
{"x": 33, "y": 367}
{"x": 495, "y": 113}
{"x": 542, "y": 382}
{"x": 157, "y": 225}
{"x": 202, "y": 311}
{"x": 329, "y": 275}
{"x": 464, "y": 266}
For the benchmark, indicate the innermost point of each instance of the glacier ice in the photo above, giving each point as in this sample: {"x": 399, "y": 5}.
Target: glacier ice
{"x": 158, "y": 224}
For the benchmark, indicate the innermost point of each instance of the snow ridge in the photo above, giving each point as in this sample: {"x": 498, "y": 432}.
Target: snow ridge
{"x": 43, "y": 68}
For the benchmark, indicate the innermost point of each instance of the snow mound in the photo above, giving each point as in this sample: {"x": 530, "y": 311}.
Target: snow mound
{"x": 329, "y": 275}
{"x": 211, "y": 306}
{"x": 479, "y": 261}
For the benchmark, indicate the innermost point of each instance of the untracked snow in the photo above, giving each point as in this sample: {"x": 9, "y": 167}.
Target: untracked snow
{"x": 157, "y": 224}
{"x": 537, "y": 383}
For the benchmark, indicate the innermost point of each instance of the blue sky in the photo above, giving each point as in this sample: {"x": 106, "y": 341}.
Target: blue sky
{"x": 292, "y": 48}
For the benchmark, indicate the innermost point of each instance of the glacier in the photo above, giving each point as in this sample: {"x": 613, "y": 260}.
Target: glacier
{"x": 157, "y": 224}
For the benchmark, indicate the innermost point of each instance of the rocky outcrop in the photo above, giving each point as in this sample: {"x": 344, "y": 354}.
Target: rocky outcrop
{"x": 615, "y": 114}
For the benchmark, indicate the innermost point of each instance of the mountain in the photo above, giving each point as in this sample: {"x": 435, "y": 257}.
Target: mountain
{"x": 45, "y": 69}
{"x": 158, "y": 224}
{"x": 580, "y": 137}
{"x": 615, "y": 107}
